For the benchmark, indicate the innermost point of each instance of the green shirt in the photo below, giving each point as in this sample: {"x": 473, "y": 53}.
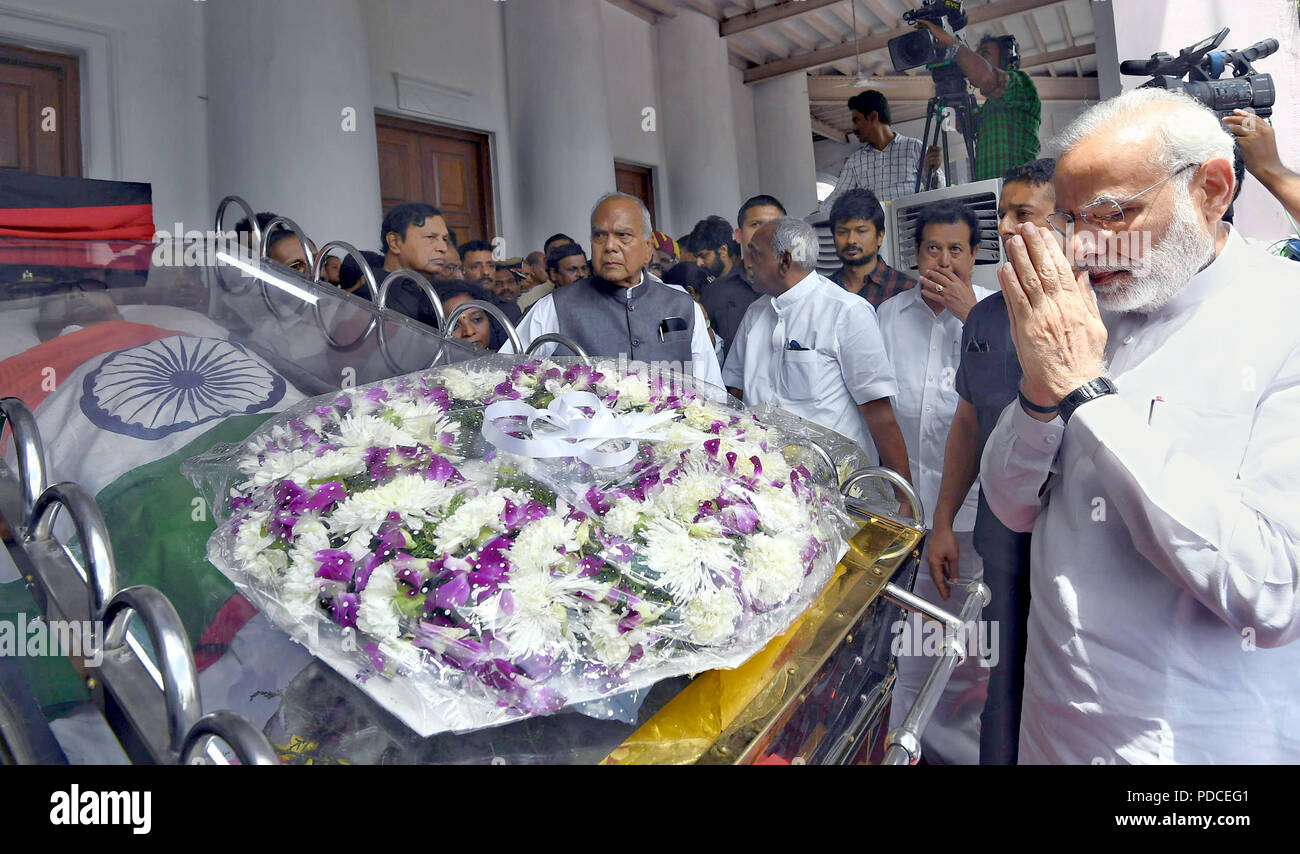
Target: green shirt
{"x": 1008, "y": 128}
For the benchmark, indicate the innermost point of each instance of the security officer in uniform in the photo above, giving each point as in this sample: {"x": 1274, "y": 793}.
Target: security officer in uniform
{"x": 623, "y": 310}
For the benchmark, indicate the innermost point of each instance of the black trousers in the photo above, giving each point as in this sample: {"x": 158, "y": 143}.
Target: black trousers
{"x": 1006, "y": 572}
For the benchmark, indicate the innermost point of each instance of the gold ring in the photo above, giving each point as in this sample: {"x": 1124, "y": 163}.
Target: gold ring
{"x": 938, "y": 289}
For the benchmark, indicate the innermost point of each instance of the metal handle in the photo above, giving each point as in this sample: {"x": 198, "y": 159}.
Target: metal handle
{"x": 450, "y": 322}
{"x": 903, "y": 744}
{"x": 248, "y": 743}
{"x": 289, "y": 225}
{"x": 28, "y": 448}
{"x": 172, "y": 647}
{"x": 101, "y": 572}
{"x": 563, "y": 341}
{"x": 256, "y": 232}
{"x": 367, "y": 274}
{"x": 382, "y": 302}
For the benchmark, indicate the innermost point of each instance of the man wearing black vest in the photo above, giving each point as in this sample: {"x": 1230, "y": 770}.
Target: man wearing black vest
{"x": 622, "y": 309}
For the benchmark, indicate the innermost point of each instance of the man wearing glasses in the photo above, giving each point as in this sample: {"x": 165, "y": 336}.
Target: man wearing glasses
{"x": 1152, "y": 452}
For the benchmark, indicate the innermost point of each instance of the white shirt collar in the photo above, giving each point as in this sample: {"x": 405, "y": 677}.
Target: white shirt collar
{"x": 798, "y": 291}
{"x": 1218, "y": 274}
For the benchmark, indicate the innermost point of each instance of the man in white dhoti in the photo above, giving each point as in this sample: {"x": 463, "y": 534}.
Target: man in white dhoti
{"x": 1153, "y": 453}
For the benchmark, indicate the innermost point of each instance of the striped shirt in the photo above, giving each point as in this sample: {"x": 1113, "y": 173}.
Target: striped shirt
{"x": 889, "y": 173}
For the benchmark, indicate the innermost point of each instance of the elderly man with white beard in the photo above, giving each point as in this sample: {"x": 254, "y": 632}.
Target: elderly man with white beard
{"x": 1153, "y": 454}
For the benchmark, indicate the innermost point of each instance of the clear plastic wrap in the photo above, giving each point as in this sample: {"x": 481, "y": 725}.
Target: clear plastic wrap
{"x": 620, "y": 527}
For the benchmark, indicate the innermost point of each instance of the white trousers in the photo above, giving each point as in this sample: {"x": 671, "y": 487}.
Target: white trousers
{"x": 952, "y": 737}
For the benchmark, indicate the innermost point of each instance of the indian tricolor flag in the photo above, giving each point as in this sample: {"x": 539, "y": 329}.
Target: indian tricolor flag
{"x": 120, "y": 405}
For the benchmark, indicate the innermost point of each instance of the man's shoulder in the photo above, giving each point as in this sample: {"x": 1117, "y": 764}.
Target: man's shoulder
{"x": 835, "y": 298}
{"x": 990, "y": 309}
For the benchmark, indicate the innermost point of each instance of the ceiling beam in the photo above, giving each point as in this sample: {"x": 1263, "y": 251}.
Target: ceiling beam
{"x": 770, "y": 15}
{"x": 829, "y": 131}
{"x": 703, "y": 7}
{"x": 802, "y": 62}
{"x": 1039, "y": 42}
{"x": 828, "y": 32}
{"x": 829, "y": 89}
{"x": 663, "y": 8}
{"x": 882, "y": 11}
{"x": 640, "y": 11}
{"x": 737, "y": 62}
{"x": 794, "y": 35}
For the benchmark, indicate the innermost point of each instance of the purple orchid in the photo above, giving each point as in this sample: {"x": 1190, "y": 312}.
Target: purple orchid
{"x": 326, "y": 495}
{"x": 517, "y": 515}
{"x": 441, "y": 470}
{"x": 336, "y": 565}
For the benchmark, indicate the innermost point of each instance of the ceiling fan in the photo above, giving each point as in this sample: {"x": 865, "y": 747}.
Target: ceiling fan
{"x": 860, "y": 80}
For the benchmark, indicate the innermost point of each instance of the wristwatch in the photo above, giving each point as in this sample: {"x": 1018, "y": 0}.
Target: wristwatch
{"x": 1090, "y": 390}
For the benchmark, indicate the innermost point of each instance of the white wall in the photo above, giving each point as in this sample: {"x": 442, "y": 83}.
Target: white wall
{"x": 147, "y": 120}
{"x": 453, "y": 44}
{"x": 746, "y": 122}
{"x": 1143, "y": 28}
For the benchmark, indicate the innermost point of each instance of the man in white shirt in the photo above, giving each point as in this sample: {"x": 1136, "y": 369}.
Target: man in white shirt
{"x": 923, "y": 340}
{"x": 622, "y": 309}
{"x": 1153, "y": 453}
{"x": 811, "y": 347}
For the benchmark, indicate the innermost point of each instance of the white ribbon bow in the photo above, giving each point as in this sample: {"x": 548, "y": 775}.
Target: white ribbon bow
{"x": 572, "y": 433}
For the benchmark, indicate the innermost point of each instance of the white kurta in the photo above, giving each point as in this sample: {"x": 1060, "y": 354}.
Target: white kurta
{"x": 840, "y": 360}
{"x": 925, "y": 350}
{"x": 1166, "y": 554}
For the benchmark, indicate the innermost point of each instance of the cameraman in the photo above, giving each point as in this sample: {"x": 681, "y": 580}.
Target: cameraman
{"x": 1258, "y": 147}
{"x": 1007, "y": 121}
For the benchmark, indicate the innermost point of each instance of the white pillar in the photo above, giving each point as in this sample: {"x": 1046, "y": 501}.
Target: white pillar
{"x": 697, "y": 119}
{"x": 559, "y": 118}
{"x": 291, "y": 123}
{"x": 787, "y": 166}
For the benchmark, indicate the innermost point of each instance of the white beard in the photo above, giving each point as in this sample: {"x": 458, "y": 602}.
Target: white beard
{"x": 1166, "y": 269}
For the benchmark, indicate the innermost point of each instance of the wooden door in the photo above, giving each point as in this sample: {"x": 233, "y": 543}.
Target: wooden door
{"x": 636, "y": 181}
{"x": 40, "y": 112}
{"x": 448, "y": 168}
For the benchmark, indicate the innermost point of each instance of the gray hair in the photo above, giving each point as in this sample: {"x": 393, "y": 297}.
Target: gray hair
{"x": 796, "y": 237}
{"x": 1188, "y": 131}
{"x": 648, "y": 229}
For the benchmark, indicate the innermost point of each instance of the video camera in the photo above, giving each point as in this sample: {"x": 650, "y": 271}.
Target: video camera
{"x": 1203, "y": 65}
{"x": 920, "y": 48}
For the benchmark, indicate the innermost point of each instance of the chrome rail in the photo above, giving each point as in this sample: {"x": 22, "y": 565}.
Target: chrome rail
{"x": 367, "y": 275}
{"x": 29, "y": 450}
{"x": 100, "y": 571}
{"x": 247, "y": 742}
{"x": 511, "y": 332}
{"x": 255, "y": 231}
{"x": 563, "y": 340}
{"x": 289, "y": 225}
{"x": 382, "y": 302}
{"x": 125, "y": 677}
{"x": 903, "y": 743}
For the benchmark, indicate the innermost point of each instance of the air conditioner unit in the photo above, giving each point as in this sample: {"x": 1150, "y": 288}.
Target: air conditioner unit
{"x": 899, "y": 248}
{"x": 980, "y": 196}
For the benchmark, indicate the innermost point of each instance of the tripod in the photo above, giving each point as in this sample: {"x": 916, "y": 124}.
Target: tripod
{"x": 963, "y": 105}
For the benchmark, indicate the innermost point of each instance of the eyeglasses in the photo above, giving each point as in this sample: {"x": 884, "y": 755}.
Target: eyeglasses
{"x": 1105, "y": 212}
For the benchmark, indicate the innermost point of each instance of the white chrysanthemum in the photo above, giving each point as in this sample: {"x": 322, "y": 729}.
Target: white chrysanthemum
{"x": 275, "y": 466}
{"x": 781, "y": 510}
{"x": 676, "y": 436}
{"x": 486, "y": 381}
{"x": 469, "y": 520}
{"x": 330, "y": 465}
{"x": 377, "y": 617}
{"x": 367, "y": 431}
{"x": 683, "y": 496}
{"x": 310, "y": 534}
{"x": 701, "y": 414}
{"x": 622, "y": 518}
{"x": 539, "y": 621}
{"x": 250, "y": 540}
{"x": 611, "y": 647}
{"x": 685, "y": 557}
{"x": 711, "y": 616}
{"x": 415, "y": 498}
{"x": 773, "y": 568}
{"x": 535, "y": 549}
{"x": 633, "y": 391}
{"x": 421, "y": 418}
{"x": 458, "y": 384}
